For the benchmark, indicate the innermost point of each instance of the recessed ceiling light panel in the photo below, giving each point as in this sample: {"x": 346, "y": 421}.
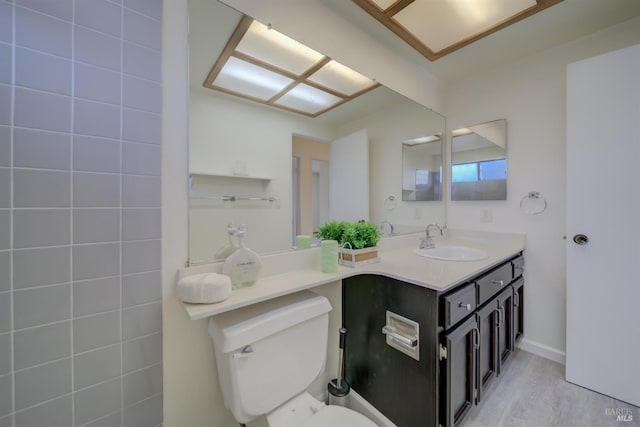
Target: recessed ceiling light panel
{"x": 308, "y": 99}
{"x": 248, "y": 79}
{"x": 341, "y": 78}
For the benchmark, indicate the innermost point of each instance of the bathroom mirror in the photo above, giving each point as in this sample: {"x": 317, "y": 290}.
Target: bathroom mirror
{"x": 422, "y": 168}
{"x": 245, "y": 149}
{"x": 479, "y": 162}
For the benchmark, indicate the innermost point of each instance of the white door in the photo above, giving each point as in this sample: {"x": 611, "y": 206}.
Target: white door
{"x": 349, "y": 177}
{"x": 603, "y": 203}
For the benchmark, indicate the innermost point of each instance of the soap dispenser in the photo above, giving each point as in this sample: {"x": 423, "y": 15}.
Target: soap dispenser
{"x": 230, "y": 247}
{"x": 242, "y": 266}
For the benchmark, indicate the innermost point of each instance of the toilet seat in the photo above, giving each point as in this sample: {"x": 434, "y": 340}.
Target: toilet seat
{"x": 337, "y": 416}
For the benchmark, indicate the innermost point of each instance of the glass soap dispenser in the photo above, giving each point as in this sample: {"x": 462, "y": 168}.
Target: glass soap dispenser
{"x": 242, "y": 266}
{"x": 230, "y": 247}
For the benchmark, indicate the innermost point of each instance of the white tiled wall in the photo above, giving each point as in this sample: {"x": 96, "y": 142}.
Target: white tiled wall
{"x": 80, "y": 282}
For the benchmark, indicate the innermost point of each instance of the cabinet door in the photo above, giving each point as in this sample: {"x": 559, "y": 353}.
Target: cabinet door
{"x": 487, "y": 367}
{"x": 505, "y": 324}
{"x": 459, "y": 371}
{"x": 518, "y": 311}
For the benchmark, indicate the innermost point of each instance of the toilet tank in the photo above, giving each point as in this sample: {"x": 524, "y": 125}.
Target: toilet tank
{"x": 269, "y": 352}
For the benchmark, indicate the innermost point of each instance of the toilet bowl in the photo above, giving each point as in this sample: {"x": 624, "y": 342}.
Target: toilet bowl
{"x": 267, "y": 355}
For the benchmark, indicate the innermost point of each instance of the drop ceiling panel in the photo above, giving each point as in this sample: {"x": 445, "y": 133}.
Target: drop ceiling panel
{"x": 276, "y": 49}
{"x": 340, "y": 78}
{"x": 308, "y": 99}
{"x": 384, "y": 4}
{"x": 439, "y": 24}
{"x": 247, "y": 79}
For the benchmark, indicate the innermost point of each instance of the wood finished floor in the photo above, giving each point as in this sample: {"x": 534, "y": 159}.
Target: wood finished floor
{"x": 532, "y": 392}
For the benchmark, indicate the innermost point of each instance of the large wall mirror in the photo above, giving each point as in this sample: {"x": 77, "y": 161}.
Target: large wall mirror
{"x": 282, "y": 172}
{"x": 479, "y": 162}
{"x": 422, "y": 168}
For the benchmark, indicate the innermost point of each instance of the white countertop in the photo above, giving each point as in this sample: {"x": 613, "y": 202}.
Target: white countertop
{"x": 285, "y": 273}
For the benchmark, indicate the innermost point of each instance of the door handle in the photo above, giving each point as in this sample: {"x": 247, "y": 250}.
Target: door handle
{"x": 580, "y": 239}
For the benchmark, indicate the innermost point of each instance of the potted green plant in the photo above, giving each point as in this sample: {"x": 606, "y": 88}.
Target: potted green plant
{"x": 357, "y": 241}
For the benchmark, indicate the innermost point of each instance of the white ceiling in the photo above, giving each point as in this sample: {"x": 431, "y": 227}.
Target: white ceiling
{"x": 556, "y": 25}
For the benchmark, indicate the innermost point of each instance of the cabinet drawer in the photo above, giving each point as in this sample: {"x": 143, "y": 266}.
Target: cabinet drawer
{"x": 491, "y": 283}
{"x": 518, "y": 266}
{"x": 459, "y": 305}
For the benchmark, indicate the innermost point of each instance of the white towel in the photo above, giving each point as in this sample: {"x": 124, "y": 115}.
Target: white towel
{"x": 204, "y": 288}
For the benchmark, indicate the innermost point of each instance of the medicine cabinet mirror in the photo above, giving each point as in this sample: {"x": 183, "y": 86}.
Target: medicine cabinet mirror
{"x": 479, "y": 162}
{"x": 245, "y": 149}
{"x": 422, "y": 168}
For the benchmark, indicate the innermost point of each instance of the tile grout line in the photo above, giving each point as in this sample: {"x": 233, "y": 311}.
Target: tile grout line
{"x": 71, "y": 181}
{"x": 11, "y": 196}
{"x": 120, "y": 219}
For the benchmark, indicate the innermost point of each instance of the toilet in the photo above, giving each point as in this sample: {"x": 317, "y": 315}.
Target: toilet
{"x": 269, "y": 353}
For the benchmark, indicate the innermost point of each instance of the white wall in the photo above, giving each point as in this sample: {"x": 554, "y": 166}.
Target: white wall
{"x": 530, "y": 94}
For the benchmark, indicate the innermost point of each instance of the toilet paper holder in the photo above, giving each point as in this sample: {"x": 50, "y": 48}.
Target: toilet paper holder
{"x": 402, "y": 334}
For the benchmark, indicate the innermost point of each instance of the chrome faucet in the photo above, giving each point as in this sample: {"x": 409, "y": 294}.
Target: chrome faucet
{"x": 391, "y": 228}
{"x": 427, "y": 241}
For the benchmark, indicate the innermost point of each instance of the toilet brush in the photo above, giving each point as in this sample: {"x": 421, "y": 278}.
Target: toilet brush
{"x": 339, "y": 387}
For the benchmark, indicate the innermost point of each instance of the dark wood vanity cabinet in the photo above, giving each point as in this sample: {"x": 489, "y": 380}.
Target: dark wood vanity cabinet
{"x": 463, "y": 337}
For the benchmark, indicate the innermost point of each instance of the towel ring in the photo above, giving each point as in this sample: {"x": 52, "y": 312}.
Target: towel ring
{"x": 533, "y": 203}
{"x": 390, "y": 203}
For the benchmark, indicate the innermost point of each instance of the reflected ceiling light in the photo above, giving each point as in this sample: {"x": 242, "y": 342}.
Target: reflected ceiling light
{"x": 461, "y": 131}
{"x": 422, "y": 139}
{"x": 263, "y": 65}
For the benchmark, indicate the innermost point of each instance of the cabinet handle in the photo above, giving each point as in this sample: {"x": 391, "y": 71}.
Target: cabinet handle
{"x": 502, "y": 315}
{"x": 516, "y": 299}
{"x": 498, "y": 317}
{"x": 498, "y": 282}
{"x": 476, "y": 337}
{"x": 463, "y": 305}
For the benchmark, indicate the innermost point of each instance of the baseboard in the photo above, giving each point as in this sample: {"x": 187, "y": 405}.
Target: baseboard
{"x": 542, "y": 350}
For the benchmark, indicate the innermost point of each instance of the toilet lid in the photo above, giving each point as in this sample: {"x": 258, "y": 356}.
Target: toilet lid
{"x": 337, "y": 416}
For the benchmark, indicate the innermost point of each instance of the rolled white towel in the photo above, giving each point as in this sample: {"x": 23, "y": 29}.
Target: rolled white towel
{"x": 204, "y": 288}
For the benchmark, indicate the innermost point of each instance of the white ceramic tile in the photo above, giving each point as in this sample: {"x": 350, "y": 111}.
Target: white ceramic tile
{"x": 59, "y": 8}
{"x": 42, "y": 71}
{"x": 41, "y": 189}
{"x": 5, "y": 61}
{"x": 99, "y": 15}
{"x": 141, "y": 126}
{"x": 141, "y": 224}
{"x": 151, "y": 8}
{"x": 146, "y": 413}
{"x": 142, "y": 30}
{"x": 5, "y": 229}
{"x": 97, "y": 84}
{"x": 142, "y": 384}
{"x": 5, "y": 188}
{"x": 140, "y": 191}
{"x": 6, "y": 22}
{"x": 96, "y": 331}
{"x": 39, "y": 306}
{"x": 96, "y": 119}
{"x": 7, "y": 421}
{"x": 41, "y": 149}
{"x": 41, "y": 32}
{"x": 138, "y": 256}
{"x": 141, "y": 159}
{"x": 5, "y": 353}
{"x": 5, "y": 270}
{"x": 141, "y": 288}
{"x": 141, "y": 62}
{"x": 42, "y": 383}
{"x": 142, "y": 320}
{"x": 142, "y": 94}
{"x": 5, "y": 146}
{"x": 96, "y": 225}
{"x": 113, "y": 420}
{"x": 93, "y": 154}
{"x": 5, "y": 105}
{"x": 37, "y": 267}
{"x": 55, "y": 413}
{"x": 97, "y": 366}
{"x": 5, "y": 395}
{"x": 97, "y": 401}
{"x": 142, "y": 352}
{"x": 96, "y": 296}
{"x": 96, "y": 48}
{"x": 96, "y": 190}
{"x": 5, "y": 312}
{"x": 41, "y": 227}
{"x": 35, "y": 346}
{"x": 41, "y": 110}
{"x": 96, "y": 261}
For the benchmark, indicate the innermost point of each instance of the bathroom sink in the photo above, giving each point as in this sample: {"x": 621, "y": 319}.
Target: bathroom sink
{"x": 452, "y": 253}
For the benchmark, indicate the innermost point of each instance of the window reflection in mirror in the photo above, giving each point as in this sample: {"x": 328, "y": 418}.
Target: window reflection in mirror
{"x": 422, "y": 169}
{"x": 479, "y": 162}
